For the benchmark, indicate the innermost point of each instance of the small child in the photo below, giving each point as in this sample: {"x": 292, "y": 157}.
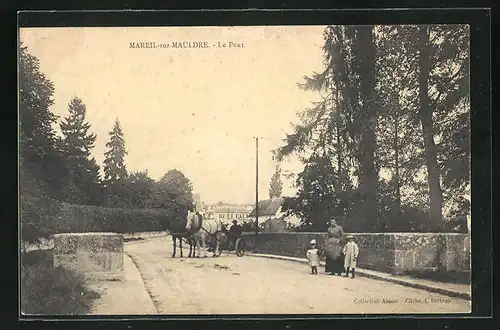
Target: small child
{"x": 351, "y": 251}
{"x": 313, "y": 257}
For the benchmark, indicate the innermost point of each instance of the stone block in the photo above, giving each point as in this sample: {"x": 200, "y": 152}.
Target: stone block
{"x": 96, "y": 255}
{"x": 372, "y": 258}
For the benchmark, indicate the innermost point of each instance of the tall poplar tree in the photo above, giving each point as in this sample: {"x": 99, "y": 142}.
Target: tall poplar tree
{"x": 276, "y": 186}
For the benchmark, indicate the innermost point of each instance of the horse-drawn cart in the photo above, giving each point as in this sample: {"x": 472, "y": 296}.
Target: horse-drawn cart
{"x": 211, "y": 233}
{"x": 224, "y": 244}
{"x": 239, "y": 247}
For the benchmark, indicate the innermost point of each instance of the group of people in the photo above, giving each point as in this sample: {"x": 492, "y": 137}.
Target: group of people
{"x": 340, "y": 253}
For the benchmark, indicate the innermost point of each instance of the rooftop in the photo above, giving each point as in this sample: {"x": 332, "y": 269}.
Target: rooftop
{"x": 268, "y": 207}
{"x": 230, "y": 209}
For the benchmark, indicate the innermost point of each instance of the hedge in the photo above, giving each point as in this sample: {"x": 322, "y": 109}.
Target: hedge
{"x": 41, "y": 218}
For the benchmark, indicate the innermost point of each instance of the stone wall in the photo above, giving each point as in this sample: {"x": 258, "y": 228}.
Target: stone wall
{"x": 274, "y": 225}
{"x": 395, "y": 253}
{"x": 96, "y": 255}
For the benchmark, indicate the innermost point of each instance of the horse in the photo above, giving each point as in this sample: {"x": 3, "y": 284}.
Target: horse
{"x": 189, "y": 240}
{"x": 201, "y": 229}
{"x": 176, "y": 226}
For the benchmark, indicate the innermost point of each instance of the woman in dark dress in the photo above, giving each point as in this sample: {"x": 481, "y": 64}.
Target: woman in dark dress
{"x": 333, "y": 249}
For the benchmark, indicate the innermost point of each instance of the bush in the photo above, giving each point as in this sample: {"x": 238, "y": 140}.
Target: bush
{"x": 41, "y": 218}
{"x": 48, "y": 290}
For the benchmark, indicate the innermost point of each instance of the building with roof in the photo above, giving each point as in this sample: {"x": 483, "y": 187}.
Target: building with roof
{"x": 229, "y": 212}
{"x": 273, "y": 217}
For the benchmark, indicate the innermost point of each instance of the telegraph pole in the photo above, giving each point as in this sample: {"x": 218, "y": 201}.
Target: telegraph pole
{"x": 256, "y": 188}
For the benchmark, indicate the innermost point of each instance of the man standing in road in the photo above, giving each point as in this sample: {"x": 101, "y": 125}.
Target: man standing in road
{"x": 234, "y": 233}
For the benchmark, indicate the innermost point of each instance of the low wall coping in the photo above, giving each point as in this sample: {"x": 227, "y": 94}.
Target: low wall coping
{"x": 88, "y": 234}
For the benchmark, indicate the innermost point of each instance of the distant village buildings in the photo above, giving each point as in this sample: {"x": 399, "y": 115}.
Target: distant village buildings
{"x": 227, "y": 213}
{"x": 273, "y": 217}
{"x": 270, "y": 213}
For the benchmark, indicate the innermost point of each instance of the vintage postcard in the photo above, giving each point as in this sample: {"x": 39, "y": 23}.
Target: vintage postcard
{"x": 244, "y": 170}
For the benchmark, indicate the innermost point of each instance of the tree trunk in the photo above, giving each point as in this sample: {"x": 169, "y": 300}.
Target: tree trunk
{"x": 368, "y": 176}
{"x": 433, "y": 172}
{"x": 339, "y": 185}
{"x": 397, "y": 180}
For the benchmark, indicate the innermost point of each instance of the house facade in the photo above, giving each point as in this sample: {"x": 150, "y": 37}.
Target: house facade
{"x": 273, "y": 217}
{"x": 229, "y": 212}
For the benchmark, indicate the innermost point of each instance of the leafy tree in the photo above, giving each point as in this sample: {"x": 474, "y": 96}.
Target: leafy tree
{"x": 40, "y": 149}
{"x": 94, "y": 188}
{"x": 435, "y": 83}
{"x": 342, "y": 126}
{"x": 399, "y": 137}
{"x": 140, "y": 186}
{"x": 82, "y": 186}
{"x": 115, "y": 172}
{"x": 450, "y": 105}
{"x": 425, "y": 113}
{"x": 394, "y": 101}
{"x": 174, "y": 192}
{"x": 317, "y": 199}
{"x": 276, "y": 186}
{"x": 364, "y": 54}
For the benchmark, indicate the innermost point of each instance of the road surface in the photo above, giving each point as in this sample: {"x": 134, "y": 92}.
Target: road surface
{"x": 250, "y": 285}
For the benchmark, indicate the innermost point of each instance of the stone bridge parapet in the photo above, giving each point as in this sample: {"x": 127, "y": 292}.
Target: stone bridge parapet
{"x": 96, "y": 255}
{"x": 395, "y": 253}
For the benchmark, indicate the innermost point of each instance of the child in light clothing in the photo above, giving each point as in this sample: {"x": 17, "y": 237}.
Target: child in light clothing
{"x": 351, "y": 251}
{"x": 313, "y": 257}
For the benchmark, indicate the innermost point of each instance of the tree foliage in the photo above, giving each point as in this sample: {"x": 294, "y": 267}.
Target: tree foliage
{"x": 56, "y": 170}
{"x": 114, "y": 163}
{"x": 115, "y": 172}
{"x": 140, "y": 185}
{"x": 82, "y": 179}
{"x": 317, "y": 199}
{"x": 393, "y": 120}
{"x": 40, "y": 149}
{"x": 174, "y": 192}
{"x": 276, "y": 186}
{"x": 342, "y": 126}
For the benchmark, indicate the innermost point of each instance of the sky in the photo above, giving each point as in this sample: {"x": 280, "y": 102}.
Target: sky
{"x": 193, "y": 109}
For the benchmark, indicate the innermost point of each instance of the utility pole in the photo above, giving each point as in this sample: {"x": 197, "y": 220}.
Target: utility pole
{"x": 256, "y": 188}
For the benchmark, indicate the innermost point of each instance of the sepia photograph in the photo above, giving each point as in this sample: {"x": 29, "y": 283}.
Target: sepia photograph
{"x": 244, "y": 170}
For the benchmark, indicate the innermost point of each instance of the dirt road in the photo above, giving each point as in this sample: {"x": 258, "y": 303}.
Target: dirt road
{"x": 249, "y": 285}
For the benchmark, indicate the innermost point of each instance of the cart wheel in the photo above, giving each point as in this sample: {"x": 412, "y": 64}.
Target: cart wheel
{"x": 240, "y": 247}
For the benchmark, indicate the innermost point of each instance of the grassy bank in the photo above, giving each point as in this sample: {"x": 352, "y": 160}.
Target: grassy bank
{"x": 48, "y": 290}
